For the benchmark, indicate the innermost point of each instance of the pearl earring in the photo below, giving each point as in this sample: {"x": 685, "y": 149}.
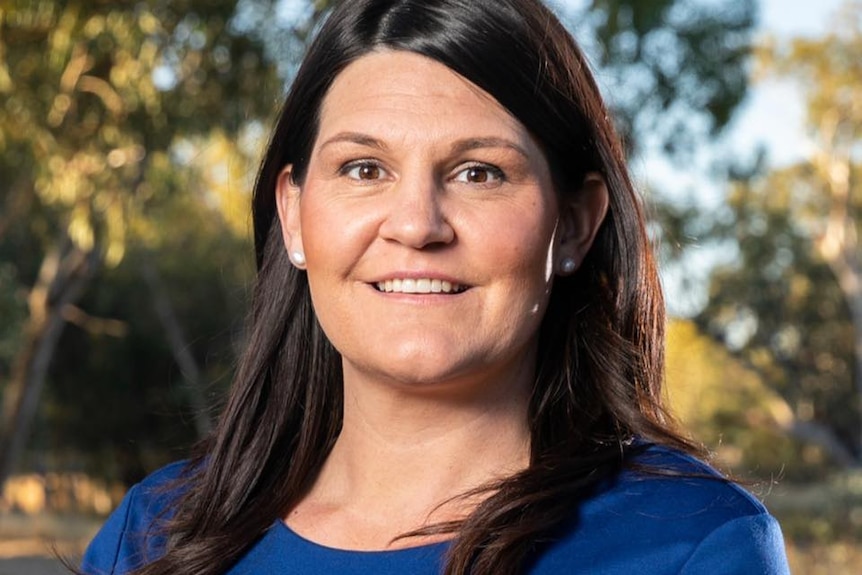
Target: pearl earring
{"x": 568, "y": 265}
{"x": 298, "y": 258}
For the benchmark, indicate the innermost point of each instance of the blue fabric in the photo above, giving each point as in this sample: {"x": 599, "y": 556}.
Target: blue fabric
{"x": 130, "y": 536}
{"x": 634, "y": 523}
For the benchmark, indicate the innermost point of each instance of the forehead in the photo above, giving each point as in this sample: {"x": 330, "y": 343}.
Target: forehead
{"x": 392, "y": 91}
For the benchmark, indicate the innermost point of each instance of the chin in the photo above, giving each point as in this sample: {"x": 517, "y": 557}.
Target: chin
{"x": 420, "y": 373}
{"x": 415, "y": 371}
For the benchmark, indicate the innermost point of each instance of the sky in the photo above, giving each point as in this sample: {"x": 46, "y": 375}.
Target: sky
{"x": 774, "y": 112}
{"x": 797, "y": 17}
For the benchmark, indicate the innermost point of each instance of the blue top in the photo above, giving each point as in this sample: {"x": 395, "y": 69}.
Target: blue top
{"x": 634, "y": 523}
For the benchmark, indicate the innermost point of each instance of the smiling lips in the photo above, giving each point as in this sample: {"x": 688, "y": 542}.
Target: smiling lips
{"x": 419, "y": 285}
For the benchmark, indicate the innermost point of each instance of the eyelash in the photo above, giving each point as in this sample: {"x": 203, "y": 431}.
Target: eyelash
{"x": 360, "y": 164}
{"x": 493, "y": 172}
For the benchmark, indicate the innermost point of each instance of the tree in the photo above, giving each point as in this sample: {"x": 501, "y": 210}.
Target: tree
{"x": 729, "y": 406}
{"x": 792, "y": 305}
{"x": 92, "y": 97}
{"x": 831, "y": 205}
{"x": 117, "y": 403}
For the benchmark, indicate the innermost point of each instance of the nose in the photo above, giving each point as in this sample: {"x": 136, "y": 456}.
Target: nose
{"x": 416, "y": 216}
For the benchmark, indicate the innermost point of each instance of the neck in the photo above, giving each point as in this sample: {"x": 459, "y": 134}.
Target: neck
{"x": 405, "y": 453}
{"x": 455, "y": 443}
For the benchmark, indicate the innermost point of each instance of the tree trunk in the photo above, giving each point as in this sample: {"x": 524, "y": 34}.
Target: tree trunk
{"x": 63, "y": 276}
{"x": 839, "y": 245}
{"x": 179, "y": 347}
{"x": 785, "y": 419}
{"x": 811, "y": 432}
{"x": 849, "y": 275}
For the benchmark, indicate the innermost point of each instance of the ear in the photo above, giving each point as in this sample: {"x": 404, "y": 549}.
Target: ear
{"x": 581, "y": 216}
{"x": 287, "y": 203}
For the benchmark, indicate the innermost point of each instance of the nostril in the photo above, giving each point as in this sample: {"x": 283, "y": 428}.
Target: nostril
{"x": 418, "y": 219}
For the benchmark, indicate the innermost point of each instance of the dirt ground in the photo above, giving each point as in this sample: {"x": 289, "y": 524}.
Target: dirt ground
{"x": 31, "y": 566}
{"x": 29, "y": 544}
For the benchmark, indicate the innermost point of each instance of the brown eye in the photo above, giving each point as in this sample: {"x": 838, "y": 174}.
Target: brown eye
{"x": 480, "y": 175}
{"x": 477, "y": 175}
{"x": 369, "y": 172}
{"x": 364, "y": 171}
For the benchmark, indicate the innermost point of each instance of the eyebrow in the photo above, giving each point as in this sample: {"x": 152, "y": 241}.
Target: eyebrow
{"x": 490, "y": 142}
{"x": 354, "y": 138}
{"x": 460, "y": 146}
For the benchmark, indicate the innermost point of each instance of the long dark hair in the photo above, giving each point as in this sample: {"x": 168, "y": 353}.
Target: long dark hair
{"x": 600, "y": 360}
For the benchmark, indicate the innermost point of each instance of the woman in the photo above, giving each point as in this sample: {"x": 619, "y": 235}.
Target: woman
{"x": 455, "y": 353}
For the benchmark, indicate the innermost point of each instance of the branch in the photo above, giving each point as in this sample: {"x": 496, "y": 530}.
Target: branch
{"x": 785, "y": 419}
{"x": 62, "y": 282}
{"x": 809, "y": 432}
{"x": 94, "y": 325}
{"x": 113, "y": 102}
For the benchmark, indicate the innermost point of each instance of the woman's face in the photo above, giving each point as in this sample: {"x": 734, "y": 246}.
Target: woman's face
{"x": 427, "y": 219}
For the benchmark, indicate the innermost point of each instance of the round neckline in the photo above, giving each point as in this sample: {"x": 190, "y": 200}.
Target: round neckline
{"x": 302, "y": 540}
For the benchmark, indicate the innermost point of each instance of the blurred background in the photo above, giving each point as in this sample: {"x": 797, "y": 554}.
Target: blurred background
{"x": 129, "y": 136}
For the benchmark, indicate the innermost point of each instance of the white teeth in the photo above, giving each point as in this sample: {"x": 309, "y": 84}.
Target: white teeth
{"x": 421, "y": 285}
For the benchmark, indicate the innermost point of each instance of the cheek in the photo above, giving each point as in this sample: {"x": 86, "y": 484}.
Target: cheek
{"x": 525, "y": 245}
{"x": 329, "y": 232}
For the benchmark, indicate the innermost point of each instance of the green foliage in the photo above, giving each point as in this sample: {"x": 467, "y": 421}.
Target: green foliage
{"x": 116, "y": 403}
{"x": 96, "y": 101}
{"x": 675, "y": 69}
{"x": 780, "y": 307}
{"x": 13, "y": 310}
{"x": 91, "y": 93}
{"x": 789, "y": 305}
{"x": 730, "y": 408}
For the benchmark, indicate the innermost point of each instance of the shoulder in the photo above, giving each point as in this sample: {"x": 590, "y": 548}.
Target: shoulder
{"x": 149, "y": 502}
{"x": 668, "y": 512}
{"x": 131, "y": 535}
{"x": 676, "y": 482}
{"x": 158, "y": 488}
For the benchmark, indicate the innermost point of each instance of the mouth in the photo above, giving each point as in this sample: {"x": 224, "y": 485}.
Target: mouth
{"x": 420, "y": 286}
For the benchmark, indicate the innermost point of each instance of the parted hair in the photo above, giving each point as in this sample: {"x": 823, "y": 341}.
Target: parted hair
{"x": 600, "y": 361}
